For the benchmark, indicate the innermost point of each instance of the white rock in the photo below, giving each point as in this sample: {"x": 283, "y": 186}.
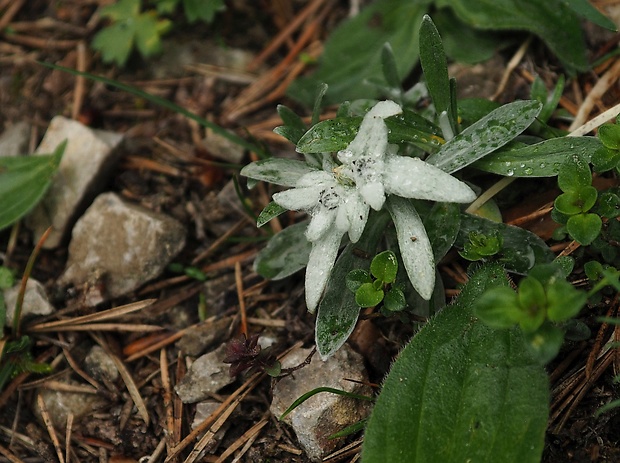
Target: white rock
{"x": 88, "y": 158}
{"x": 60, "y": 403}
{"x": 99, "y": 364}
{"x": 122, "y": 244}
{"x": 323, "y": 414}
{"x": 207, "y": 375}
{"x": 14, "y": 140}
{"x": 35, "y": 301}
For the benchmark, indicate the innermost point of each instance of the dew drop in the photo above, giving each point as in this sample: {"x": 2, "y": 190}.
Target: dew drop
{"x": 528, "y": 170}
{"x": 510, "y": 173}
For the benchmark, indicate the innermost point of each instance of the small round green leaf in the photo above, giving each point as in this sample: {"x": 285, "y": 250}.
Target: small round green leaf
{"x": 584, "y": 228}
{"x": 609, "y": 135}
{"x": 384, "y": 266}
{"x": 564, "y": 301}
{"x": 498, "y": 308}
{"x": 545, "y": 343}
{"x": 568, "y": 203}
{"x": 394, "y": 300}
{"x": 573, "y": 174}
{"x": 532, "y": 302}
{"x": 367, "y": 296}
{"x": 356, "y": 278}
{"x": 608, "y": 205}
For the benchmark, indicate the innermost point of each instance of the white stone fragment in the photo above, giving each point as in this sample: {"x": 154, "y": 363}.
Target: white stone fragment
{"x": 324, "y": 413}
{"x": 88, "y": 158}
{"x": 35, "y": 301}
{"x": 122, "y": 244}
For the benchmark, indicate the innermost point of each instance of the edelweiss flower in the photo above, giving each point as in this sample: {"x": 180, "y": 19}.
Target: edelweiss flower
{"x": 338, "y": 199}
{"x": 336, "y": 208}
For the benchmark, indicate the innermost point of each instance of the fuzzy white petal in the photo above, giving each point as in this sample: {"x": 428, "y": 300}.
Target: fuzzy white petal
{"x": 322, "y": 220}
{"x": 414, "y": 178}
{"x": 320, "y": 264}
{"x": 357, "y": 214}
{"x": 298, "y": 199}
{"x": 415, "y": 247}
{"x": 316, "y": 178}
{"x": 371, "y": 139}
{"x": 374, "y": 194}
{"x": 280, "y": 171}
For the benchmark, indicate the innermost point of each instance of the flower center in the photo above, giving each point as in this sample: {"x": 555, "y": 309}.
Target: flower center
{"x": 329, "y": 198}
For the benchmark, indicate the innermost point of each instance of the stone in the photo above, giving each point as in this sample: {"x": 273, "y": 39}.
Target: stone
{"x": 208, "y": 374}
{"x": 199, "y": 338}
{"x": 86, "y": 163}
{"x": 35, "y": 301}
{"x": 121, "y": 244}
{"x": 100, "y": 365}
{"x": 60, "y": 403}
{"x": 223, "y": 148}
{"x": 323, "y": 414}
{"x": 14, "y": 140}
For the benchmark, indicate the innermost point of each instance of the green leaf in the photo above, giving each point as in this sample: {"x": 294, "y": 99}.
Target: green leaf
{"x": 293, "y": 128}
{"x": 271, "y": 211}
{"x": 584, "y": 228}
{"x": 609, "y": 135}
{"x": 521, "y": 248}
{"x": 567, "y": 203}
{"x": 281, "y": 171}
{"x": 585, "y": 9}
{"x": 337, "y": 313}
{"x": 442, "y": 225}
{"x": 115, "y": 43}
{"x": 486, "y": 135}
{"x": 434, "y": 405}
{"x": 7, "y": 279}
{"x": 368, "y": 296}
{"x": 390, "y": 68}
{"x": 147, "y": 34}
{"x": 550, "y": 20}
{"x": 435, "y": 68}
{"x": 24, "y": 181}
{"x": 608, "y": 205}
{"x": 481, "y": 45}
{"x": 542, "y": 159}
{"x": 498, "y": 308}
{"x": 532, "y": 301}
{"x": 564, "y": 301}
{"x": 384, "y": 266}
{"x": 356, "y": 278}
{"x": 203, "y": 10}
{"x": 352, "y": 53}
{"x": 329, "y": 136}
{"x": 394, "y": 300}
{"x": 285, "y": 253}
{"x": 130, "y": 27}
{"x": 573, "y": 174}
{"x": 576, "y": 201}
{"x": 545, "y": 343}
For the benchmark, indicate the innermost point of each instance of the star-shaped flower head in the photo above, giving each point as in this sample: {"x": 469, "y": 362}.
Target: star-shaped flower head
{"x": 335, "y": 208}
{"x": 373, "y": 165}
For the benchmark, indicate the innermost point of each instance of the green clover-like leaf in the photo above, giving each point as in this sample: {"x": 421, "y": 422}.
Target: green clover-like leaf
{"x": 384, "y": 266}
{"x": 564, "y": 301}
{"x": 356, "y": 278}
{"x": 609, "y": 134}
{"x": 498, "y": 307}
{"x": 584, "y": 228}
{"x": 368, "y": 296}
